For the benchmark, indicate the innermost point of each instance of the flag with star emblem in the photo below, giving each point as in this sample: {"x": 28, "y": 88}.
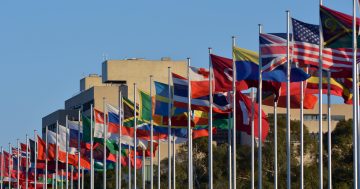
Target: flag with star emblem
{"x": 305, "y": 49}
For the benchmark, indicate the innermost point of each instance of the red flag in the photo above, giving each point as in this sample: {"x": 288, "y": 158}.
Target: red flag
{"x": 243, "y": 117}
{"x": 41, "y": 149}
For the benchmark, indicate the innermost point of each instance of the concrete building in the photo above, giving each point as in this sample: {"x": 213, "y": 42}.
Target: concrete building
{"x": 120, "y": 75}
{"x": 117, "y": 76}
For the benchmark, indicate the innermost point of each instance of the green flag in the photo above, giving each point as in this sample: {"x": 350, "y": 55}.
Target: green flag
{"x": 337, "y": 28}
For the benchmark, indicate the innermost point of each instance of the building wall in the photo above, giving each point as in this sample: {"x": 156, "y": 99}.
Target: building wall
{"x": 139, "y": 71}
{"x": 90, "y": 81}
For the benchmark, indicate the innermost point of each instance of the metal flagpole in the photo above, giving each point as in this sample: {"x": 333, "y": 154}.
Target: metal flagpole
{"x": 135, "y": 128}
{"x": 2, "y": 168}
{"x": 82, "y": 178}
{"x": 252, "y": 138}
{"x": 320, "y": 108}
{"x": 120, "y": 134}
{"x": 169, "y": 128}
{"x": 275, "y": 147}
{"x": 143, "y": 169}
{"x": 288, "y": 152}
{"x": 62, "y": 178}
{"x": 57, "y": 155}
{"x": 27, "y": 163}
{"x": 67, "y": 151}
{"x": 9, "y": 167}
{"x": 355, "y": 100}
{"x": 72, "y": 177}
{"x": 117, "y": 170}
{"x": 210, "y": 147}
{"x": 173, "y": 162}
{"x": 129, "y": 165}
{"x": 259, "y": 118}
{"x": 301, "y": 135}
{"x": 18, "y": 165}
{"x": 78, "y": 147}
{"x": 229, "y": 151}
{"x": 105, "y": 138}
{"x": 47, "y": 155}
{"x": 91, "y": 149}
{"x": 151, "y": 143}
{"x": 234, "y": 119}
{"x": 35, "y": 159}
{"x": 159, "y": 150}
{"x": 189, "y": 127}
{"x": 329, "y": 131}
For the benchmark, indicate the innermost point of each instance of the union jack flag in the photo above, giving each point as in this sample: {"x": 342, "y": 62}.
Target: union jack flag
{"x": 273, "y": 47}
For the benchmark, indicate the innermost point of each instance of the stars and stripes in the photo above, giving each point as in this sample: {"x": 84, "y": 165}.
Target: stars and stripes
{"x": 306, "y": 49}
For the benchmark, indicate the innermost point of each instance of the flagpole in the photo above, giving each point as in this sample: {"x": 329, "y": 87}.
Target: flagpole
{"x": 72, "y": 177}
{"x": 57, "y": 154}
{"x": 174, "y": 162}
{"x": 252, "y": 139}
{"x": 129, "y": 165}
{"x": 189, "y": 127}
{"x": 79, "y": 148}
{"x": 288, "y": 152}
{"x": 151, "y": 142}
{"x": 18, "y": 164}
{"x": 234, "y": 119}
{"x": 120, "y": 134}
{"x": 210, "y": 137}
{"x": 260, "y": 118}
{"x": 62, "y": 178}
{"x": 301, "y": 135}
{"x": 105, "y": 138}
{"x": 355, "y": 100}
{"x": 275, "y": 147}
{"x": 135, "y": 128}
{"x": 35, "y": 157}
{"x": 27, "y": 163}
{"x": 67, "y": 151}
{"x": 46, "y": 159}
{"x": 2, "y": 167}
{"x": 117, "y": 170}
{"x": 91, "y": 148}
{"x": 329, "y": 131}
{"x": 143, "y": 168}
{"x": 229, "y": 151}
{"x": 159, "y": 150}
{"x": 9, "y": 176}
{"x": 82, "y": 178}
{"x": 169, "y": 128}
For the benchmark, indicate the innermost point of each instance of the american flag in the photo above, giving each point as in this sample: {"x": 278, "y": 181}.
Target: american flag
{"x": 273, "y": 49}
{"x": 306, "y": 49}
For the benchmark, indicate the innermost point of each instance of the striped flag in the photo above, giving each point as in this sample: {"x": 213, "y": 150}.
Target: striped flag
{"x": 306, "y": 49}
{"x": 273, "y": 49}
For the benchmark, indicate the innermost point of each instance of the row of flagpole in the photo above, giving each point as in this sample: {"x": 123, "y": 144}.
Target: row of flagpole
{"x": 232, "y": 141}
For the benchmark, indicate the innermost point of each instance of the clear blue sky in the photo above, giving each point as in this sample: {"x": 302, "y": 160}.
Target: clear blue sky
{"x": 46, "y": 47}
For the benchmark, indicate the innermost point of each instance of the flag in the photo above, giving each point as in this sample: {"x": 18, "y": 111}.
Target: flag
{"x": 145, "y": 104}
{"x": 243, "y": 117}
{"x": 201, "y": 103}
{"x": 74, "y": 129}
{"x": 247, "y": 63}
{"x": 273, "y": 48}
{"x": 306, "y": 49}
{"x": 41, "y": 149}
{"x": 223, "y": 78}
{"x": 86, "y": 125}
{"x": 199, "y": 78}
{"x": 337, "y": 28}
